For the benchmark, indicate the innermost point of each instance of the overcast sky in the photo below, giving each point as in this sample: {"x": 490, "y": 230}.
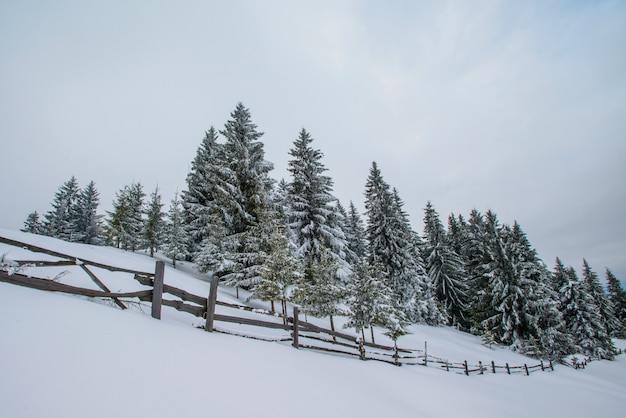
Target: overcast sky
{"x": 518, "y": 107}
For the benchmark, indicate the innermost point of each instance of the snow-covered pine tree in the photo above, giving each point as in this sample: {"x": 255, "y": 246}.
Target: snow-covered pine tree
{"x": 60, "y": 222}
{"x": 370, "y": 301}
{"x": 545, "y": 334}
{"x": 582, "y": 318}
{"x": 153, "y": 223}
{"x": 175, "y": 235}
{"x": 456, "y": 235}
{"x": 249, "y": 207}
{"x": 354, "y": 230}
{"x": 427, "y": 306}
{"x": 601, "y": 299}
{"x": 617, "y": 298}
{"x": 314, "y": 220}
{"x": 134, "y": 222}
{"x": 124, "y": 223}
{"x": 209, "y": 183}
{"x": 445, "y": 268}
{"x": 522, "y": 309}
{"x": 88, "y": 221}
{"x": 474, "y": 239}
{"x": 318, "y": 291}
{"x": 33, "y": 224}
{"x": 280, "y": 269}
{"x": 394, "y": 246}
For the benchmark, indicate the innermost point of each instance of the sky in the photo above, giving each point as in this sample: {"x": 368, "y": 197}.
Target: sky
{"x": 517, "y": 107}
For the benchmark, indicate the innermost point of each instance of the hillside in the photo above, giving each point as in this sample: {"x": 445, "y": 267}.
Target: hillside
{"x": 64, "y": 356}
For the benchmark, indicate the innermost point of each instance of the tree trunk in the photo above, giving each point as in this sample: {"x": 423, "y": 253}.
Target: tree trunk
{"x": 372, "y": 331}
{"x": 332, "y": 327}
{"x": 272, "y": 304}
{"x": 174, "y": 262}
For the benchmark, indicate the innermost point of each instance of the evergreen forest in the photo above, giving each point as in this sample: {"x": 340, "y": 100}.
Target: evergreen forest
{"x": 293, "y": 241}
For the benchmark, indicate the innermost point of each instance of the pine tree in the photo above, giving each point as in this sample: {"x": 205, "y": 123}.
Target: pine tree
{"x": 88, "y": 220}
{"x": 250, "y": 215}
{"x": 394, "y": 246}
{"x": 522, "y": 310}
{"x": 60, "y": 222}
{"x": 209, "y": 183}
{"x": 153, "y": 223}
{"x": 318, "y": 291}
{"x": 594, "y": 287}
{"x": 280, "y": 270}
{"x": 355, "y": 233}
{"x": 582, "y": 318}
{"x": 33, "y": 224}
{"x": 315, "y": 220}
{"x": 124, "y": 223}
{"x": 175, "y": 235}
{"x": 457, "y": 235}
{"x": 370, "y": 300}
{"x": 617, "y": 299}
{"x": 445, "y": 268}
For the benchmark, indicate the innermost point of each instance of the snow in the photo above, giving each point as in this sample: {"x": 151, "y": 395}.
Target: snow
{"x": 63, "y": 356}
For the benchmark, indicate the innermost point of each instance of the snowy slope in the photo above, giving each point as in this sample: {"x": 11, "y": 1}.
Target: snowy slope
{"x": 63, "y": 356}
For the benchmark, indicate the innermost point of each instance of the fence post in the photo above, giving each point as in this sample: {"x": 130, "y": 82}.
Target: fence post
{"x": 493, "y": 367}
{"x": 508, "y": 370}
{"x": 526, "y": 368}
{"x": 210, "y": 304}
{"x": 480, "y": 366}
{"x": 157, "y": 290}
{"x": 551, "y": 366}
{"x": 425, "y": 353}
{"x": 296, "y": 325}
{"x": 466, "y": 369}
{"x": 361, "y": 349}
{"x": 542, "y": 368}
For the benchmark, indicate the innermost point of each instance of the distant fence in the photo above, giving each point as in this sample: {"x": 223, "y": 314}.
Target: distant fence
{"x": 302, "y": 334}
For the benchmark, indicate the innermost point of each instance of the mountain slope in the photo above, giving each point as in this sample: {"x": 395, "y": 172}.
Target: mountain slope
{"x": 63, "y": 356}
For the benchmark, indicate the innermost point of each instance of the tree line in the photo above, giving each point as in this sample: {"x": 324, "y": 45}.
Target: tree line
{"x": 292, "y": 240}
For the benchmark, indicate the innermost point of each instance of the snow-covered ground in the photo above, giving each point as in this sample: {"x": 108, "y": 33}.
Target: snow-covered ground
{"x": 64, "y": 356}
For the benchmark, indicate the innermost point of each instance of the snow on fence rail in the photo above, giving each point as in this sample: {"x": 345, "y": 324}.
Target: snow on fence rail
{"x": 302, "y": 334}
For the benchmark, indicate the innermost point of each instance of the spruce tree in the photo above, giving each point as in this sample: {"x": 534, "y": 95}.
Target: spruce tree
{"x": 370, "y": 301}
{"x": 582, "y": 318}
{"x": 88, "y": 221}
{"x": 617, "y": 299}
{"x": 457, "y": 235}
{"x": 394, "y": 246}
{"x": 175, "y": 236}
{"x": 209, "y": 183}
{"x": 318, "y": 291}
{"x": 601, "y": 300}
{"x": 280, "y": 269}
{"x": 153, "y": 223}
{"x": 250, "y": 215}
{"x": 445, "y": 268}
{"x": 522, "y": 310}
{"x": 355, "y": 233}
{"x": 33, "y": 224}
{"x": 60, "y": 222}
{"x": 315, "y": 220}
{"x": 124, "y": 223}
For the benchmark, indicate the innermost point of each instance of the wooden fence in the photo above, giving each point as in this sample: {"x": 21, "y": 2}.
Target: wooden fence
{"x": 302, "y": 334}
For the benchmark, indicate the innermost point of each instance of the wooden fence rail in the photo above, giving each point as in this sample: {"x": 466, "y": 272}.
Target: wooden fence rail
{"x": 316, "y": 337}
